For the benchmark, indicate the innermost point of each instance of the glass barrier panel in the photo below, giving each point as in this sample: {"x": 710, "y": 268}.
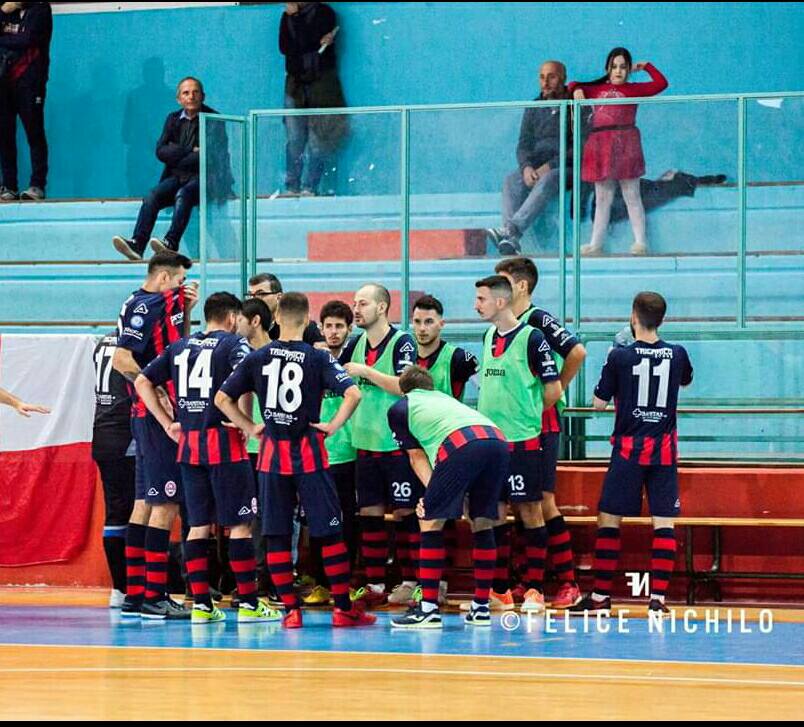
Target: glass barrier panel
{"x": 659, "y": 209}
{"x": 222, "y": 243}
{"x": 775, "y": 209}
{"x": 328, "y": 208}
{"x": 482, "y": 189}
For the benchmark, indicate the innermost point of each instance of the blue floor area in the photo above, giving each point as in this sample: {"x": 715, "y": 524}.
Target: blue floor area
{"x": 73, "y": 626}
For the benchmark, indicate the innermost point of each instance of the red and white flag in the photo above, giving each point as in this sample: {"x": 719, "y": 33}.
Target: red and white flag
{"x": 47, "y": 476}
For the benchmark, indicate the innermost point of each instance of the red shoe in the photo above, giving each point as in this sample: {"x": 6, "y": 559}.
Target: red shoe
{"x": 568, "y": 595}
{"x": 293, "y": 619}
{"x": 352, "y": 617}
{"x": 369, "y": 598}
{"x": 518, "y": 592}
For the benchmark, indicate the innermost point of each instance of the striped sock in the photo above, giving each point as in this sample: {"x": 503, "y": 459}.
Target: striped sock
{"x": 502, "y": 570}
{"x": 196, "y": 556}
{"x": 450, "y": 544}
{"x": 135, "y": 561}
{"x": 662, "y": 561}
{"x": 559, "y": 545}
{"x": 336, "y": 567}
{"x": 244, "y": 567}
{"x": 484, "y": 555}
{"x": 374, "y": 547}
{"x": 536, "y": 552}
{"x": 402, "y": 550}
{"x": 157, "y": 542}
{"x": 431, "y": 568}
{"x": 280, "y": 563}
{"x": 607, "y": 553}
{"x": 411, "y": 523}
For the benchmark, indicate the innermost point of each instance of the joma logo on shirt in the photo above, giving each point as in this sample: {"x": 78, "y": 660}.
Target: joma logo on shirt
{"x": 494, "y": 372}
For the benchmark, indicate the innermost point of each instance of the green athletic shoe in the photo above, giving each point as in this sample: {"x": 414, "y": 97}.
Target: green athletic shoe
{"x": 205, "y": 615}
{"x": 248, "y": 614}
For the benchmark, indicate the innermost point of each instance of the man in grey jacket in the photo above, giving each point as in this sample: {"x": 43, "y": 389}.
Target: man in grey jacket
{"x": 529, "y": 189}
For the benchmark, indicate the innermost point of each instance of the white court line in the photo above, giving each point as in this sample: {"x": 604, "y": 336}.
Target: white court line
{"x": 517, "y": 657}
{"x": 389, "y": 670}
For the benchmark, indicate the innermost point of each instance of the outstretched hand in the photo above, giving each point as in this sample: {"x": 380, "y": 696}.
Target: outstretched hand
{"x": 27, "y": 409}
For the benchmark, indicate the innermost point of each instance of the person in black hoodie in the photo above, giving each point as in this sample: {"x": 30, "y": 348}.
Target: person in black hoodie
{"x": 25, "y": 33}
{"x": 177, "y": 148}
{"x": 306, "y": 38}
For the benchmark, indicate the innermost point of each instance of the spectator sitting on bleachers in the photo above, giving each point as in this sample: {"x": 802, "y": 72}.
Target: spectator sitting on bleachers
{"x": 25, "y": 32}
{"x": 528, "y": 190}
{"x": 179, "y": 185}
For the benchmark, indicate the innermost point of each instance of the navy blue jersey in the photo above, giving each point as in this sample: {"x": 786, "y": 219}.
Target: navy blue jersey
{"x": 290, "y": 379}
{"x": 560, "y": 339}
{"x": 147, "y": 325}
{"x": 644, "y": 379}
{"x": 196, "y": 367}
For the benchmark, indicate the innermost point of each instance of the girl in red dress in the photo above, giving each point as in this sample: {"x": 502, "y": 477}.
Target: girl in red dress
{"x": 613, "y": 149}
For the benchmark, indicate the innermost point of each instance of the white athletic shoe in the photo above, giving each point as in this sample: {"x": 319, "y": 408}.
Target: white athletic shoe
{"x": 116, "y": 599}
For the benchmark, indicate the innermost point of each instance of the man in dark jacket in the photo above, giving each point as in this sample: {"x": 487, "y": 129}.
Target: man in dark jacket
{"x": 179, "y": 185}
{"x": 529, "y": 189}
{"x": 25, "y": 32}
{"x": 306, "y": 39}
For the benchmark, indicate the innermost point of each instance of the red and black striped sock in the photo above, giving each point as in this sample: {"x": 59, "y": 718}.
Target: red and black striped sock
{"x": 450, "y": 545}
{"x": 431, "y": 564}
{"x": 662, "y": 561}
{"x": 536, "y": 552}
{"x": 244, "y": 567}
{"x": 135, "y": 561}
{"x": 336, "y": 567}
{"x": 502, "y": 569}
{"x": 374, "y": 547}
{"x": 559, "y": 545}
{"x": 411, "y": 524}
{"x": 607, "y": 553}
{"x": 484, "y": 555}
{"x": 402, "y": 549}
{"x": 196, "y": 557}
{"x": 157, "y": 542}
{"x": 280, "y": 563}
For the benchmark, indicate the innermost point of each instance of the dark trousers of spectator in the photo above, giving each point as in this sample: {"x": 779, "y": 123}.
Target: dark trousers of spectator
{"x": 117, "y": 476}
{"x": 24, "y": 98}
{"x": 169, "y": 192}
{"x": 344, "y": 476}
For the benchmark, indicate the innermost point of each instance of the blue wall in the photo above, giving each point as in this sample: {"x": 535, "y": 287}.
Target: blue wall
{"x": 113, "y": 75}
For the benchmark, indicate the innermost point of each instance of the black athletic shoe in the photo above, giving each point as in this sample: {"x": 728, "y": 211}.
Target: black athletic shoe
{"x": 478, "y": 617}
{"x": 130, "y": 248}
{"x": 509, "y": 246}
{"x": 709, "y": 180}
{"x": 588, "y": 605}
{"x": 131, "y": 607}
{"x": 167, "y": 610}
{"x": 415, "y": 618}
{"x": 158, "y": 246}
{"x": 657, "y": 606}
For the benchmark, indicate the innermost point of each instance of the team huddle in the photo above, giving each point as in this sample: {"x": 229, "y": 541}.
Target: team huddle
{"x": 349, "y": 428}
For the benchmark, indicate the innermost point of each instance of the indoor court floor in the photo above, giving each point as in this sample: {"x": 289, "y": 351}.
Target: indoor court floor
{"x": 63, "y": 657}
